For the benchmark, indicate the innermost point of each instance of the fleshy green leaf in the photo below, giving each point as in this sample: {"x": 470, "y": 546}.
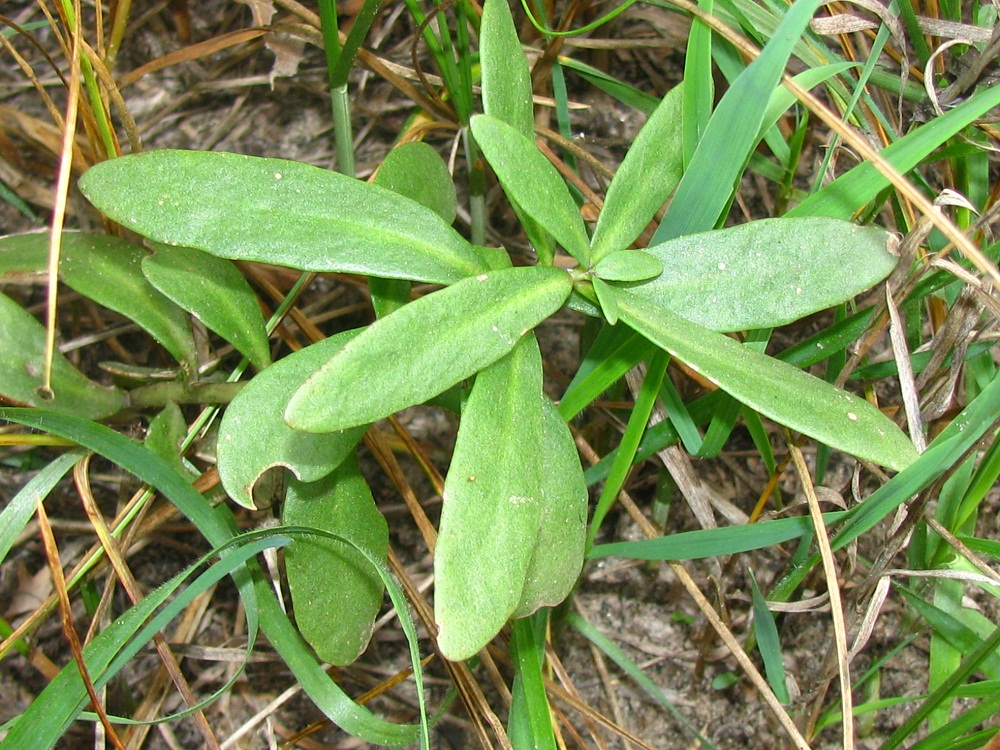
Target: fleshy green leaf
{"x": 253, "y": 436}
{"x": 277, "y": 211}
{"x": 336, "y": 594}
{"x": 166, "y": 434}
{"x": 646, "y": 178}
{"x": 779, "y": 391}
{"x": 22, "y": 368}
{"x": 533, "y": 183}
{"x": 606, "y": 296}
{"x": 416, "y": 171}
{"x": 505, "y": 78}
{"x": 493, "y": 499}
{"x": 559, "y": 547}
{"x": 107, "y": 270}
{"x": 766, "y": 273}
{"x": 426, "y": 347}
{"x": 628, "y": 265}
{"x": 215, "y": 292}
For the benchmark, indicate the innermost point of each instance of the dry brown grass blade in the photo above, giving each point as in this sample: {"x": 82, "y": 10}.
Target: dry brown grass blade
{"x": 29, "y": 72}
{"x": 113, "y": 554}
{"x": 577, "y": 705}
{"x": 559, "y": 670}
{"x": 66, "y": 613}
{"x": 59, "y": 209}
{"x": 417, "y": 451}
{"x": 833, "y": 591}
{"x": 387, "y": 460}
{"x": 192, "y": 52}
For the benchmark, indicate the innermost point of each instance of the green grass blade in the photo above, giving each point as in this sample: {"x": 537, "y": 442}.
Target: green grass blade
{"x": 21, "y": 507}
{"x": 707, "y": 185}
{"x": 699, "y": 92}
{"x": 768, "y": 643}
{"x": 627, "y": 95}
{"x": 615, "y": 351}
{"x": 530, "y": 723}
{"x": 637, "y": 422}
{"x": 941, "y": 455}
{"x": 945, "y": 691}
{"x": 725, "y": 540}
{"x": 65, "y": 697}
{"x": 218, "y": 526}
{"x": 850, "y": 192}
{"x": 680, "y": 417}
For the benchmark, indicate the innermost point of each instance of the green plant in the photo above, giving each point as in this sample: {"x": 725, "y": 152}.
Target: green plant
{"x": 514, "y": 532}
{"x": 502, "y": 506}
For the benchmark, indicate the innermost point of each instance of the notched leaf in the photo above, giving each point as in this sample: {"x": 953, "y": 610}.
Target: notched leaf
{"x": 254, "y": 438}
{"x": 22, "y": 371}
{"x": 336, "y": 592}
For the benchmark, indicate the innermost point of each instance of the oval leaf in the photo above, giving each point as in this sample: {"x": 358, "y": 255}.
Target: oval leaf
{"x": 417, "y": 171}
{"x": 215, "y": 292}
{"x": 22, "y": 366}
{"x": 557, "y": 558}
{"x": 629, "y": 265}
{"x": 165, "y": 436}
{"x": 648, "y": 175}
{"x": 335, "y": 591}
{"x": 107, "y": 270}
{"x": 253, "y": 436}
{"x": 606, "y": 296}
{"x": 766, "y": 273}
{"x": 777, "y": 390}
{"x": 506, "y": 81}
{"x": 530, "y": 180}
{"x": 426, "y": 347}
{"x": 493, "y": 500}
{"x": 277, "y": 211}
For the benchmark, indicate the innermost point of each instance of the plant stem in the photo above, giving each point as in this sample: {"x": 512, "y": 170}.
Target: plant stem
{"x": 160, "y": 394}
{"x": 343, "y": 135}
